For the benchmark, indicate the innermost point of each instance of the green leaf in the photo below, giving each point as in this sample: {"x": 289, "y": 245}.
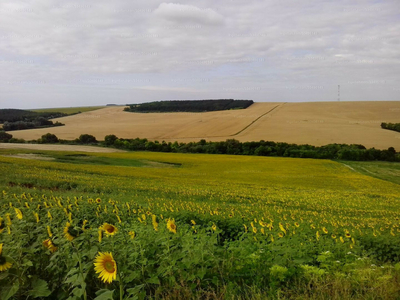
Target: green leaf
{"x": 134, "y": 291}
{"x": 78, "y": 292}
{"x": 27, "y": 263}
{"x": 39, "y": 289}
{"x": 104, "y": 295}
{"x": 154, "y": 280}
{"x": 3, "y": 275}
{"x": 9, "y": 291}
{"x": 93, "y": 252}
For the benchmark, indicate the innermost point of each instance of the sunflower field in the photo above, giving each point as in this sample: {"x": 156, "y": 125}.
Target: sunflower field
{"x": 191, "y": 226}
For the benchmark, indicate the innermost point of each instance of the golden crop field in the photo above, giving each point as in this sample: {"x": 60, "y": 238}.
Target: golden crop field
{"x": 315, "y": 123}
{"x": 160, "y": 225}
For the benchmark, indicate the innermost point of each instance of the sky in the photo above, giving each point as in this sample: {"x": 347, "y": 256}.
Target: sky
{"x": 83, "y": 53}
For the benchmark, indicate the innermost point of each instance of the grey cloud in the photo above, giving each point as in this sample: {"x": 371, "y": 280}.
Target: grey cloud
{"x": 188, "y": 13}
{"x": 247, "y": 49}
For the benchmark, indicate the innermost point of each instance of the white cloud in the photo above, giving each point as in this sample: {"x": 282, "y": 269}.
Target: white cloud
{"x": 181, "y": 13}
{"x": 247, "y": 49}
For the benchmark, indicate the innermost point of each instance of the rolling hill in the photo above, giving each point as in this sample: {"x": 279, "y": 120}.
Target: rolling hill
{"x": 315, "y": 123}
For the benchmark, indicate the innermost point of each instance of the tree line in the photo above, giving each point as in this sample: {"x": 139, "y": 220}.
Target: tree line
{"x": 15, "y": 115}
{"x": 189, "y": 105}
{"x": 391, "y": 126}
{"x": 36, "y": 123}
{"x": 354, "y": 152}
{"x": 19, "y": 119}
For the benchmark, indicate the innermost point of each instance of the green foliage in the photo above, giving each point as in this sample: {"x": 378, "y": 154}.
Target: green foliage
{"x": 86, "y": 139}
{"x": 5, "y": 137}
{"x": 261, "y": 148}
{"x": 15, "y": 115}
{"x": 48, "y": 138}
{"x": 39, "y": 122}
{"x": 253, "y": 228}
{"x": 391, "y": 126}
{"x": 189, "y": 105}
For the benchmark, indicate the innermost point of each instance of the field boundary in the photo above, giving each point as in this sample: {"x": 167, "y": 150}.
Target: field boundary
{"x": 75, "y": 148}
{"x": 258, "y": 118}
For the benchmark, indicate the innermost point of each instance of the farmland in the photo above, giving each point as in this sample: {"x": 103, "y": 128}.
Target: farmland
{"x": 192, "y": 225}
{"x": 69, "y": 110}
{"x": 314, "y": 123}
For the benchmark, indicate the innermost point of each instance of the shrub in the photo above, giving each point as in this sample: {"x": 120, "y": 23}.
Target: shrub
{"x": 110, "y": 139}
{"x": 5, "y": 137}
{"x": 86, "y": 139}
{"x": 48, "y": 138}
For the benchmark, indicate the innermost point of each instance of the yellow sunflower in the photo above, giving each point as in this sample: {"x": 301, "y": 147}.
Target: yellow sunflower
{"x": 4, "y": 264}
{"x": 171, "y": 225}
{"x": 132, "y": 234}
{"x": 49, "y": 245}
{"x": 98, "y": 200}
{"x": 18, "y": 212}
{"x": 69, "y": 232}
{"x": 214, "y": 227}
{"x": 2, "y": 225}
{"x": 109, "y": 229}
{"x": 105, "y": 264}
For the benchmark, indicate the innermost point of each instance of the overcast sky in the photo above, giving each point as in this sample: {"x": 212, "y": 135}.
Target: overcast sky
{"x": 82, "y": 53}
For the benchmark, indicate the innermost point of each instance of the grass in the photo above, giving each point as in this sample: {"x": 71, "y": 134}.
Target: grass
{"x": 87, "y": 159}
{"x": 284, "y": 228}
{"x": 389, "y": 171}
{"x": 68, "y": 110}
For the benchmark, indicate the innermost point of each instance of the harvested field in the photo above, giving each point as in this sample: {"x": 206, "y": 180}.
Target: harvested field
{"x": 315, "y": 123}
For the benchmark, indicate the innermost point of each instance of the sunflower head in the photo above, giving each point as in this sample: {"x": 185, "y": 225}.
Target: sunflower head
{"x": 4, "y": 264}
{"x": 347, "y": 235}
{"x": 98, "y": 200}
{"x": 70, "y": 232}
{"x": 171, "y": 225}
{"x": 105, "y": 264}
{"x": 109, "y": 229}
{"x": 2, "y": 225}
{"x": 18, "y": 212}
{"x": 49, "y": 245}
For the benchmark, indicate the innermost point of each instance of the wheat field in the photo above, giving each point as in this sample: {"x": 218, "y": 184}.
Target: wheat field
{"x": 315, "y": 123}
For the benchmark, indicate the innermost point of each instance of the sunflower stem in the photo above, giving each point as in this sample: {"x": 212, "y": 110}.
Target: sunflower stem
{"x": 121, "y": 289}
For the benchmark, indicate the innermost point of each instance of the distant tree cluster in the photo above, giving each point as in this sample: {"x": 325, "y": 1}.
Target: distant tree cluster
{"x": 261, "y": 148}
{"x": 189, "y": 105}
{"x": 5, "y": 137}
{"x": 86, "y": 139}
{"x": 36, "y": 123}
{"x": 19, "y": 119}
{"x": 391, "y": 126}
{"x": 14, "y": 115}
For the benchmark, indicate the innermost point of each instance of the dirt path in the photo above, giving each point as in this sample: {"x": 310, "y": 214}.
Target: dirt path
{"x": 58, "y": 147}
